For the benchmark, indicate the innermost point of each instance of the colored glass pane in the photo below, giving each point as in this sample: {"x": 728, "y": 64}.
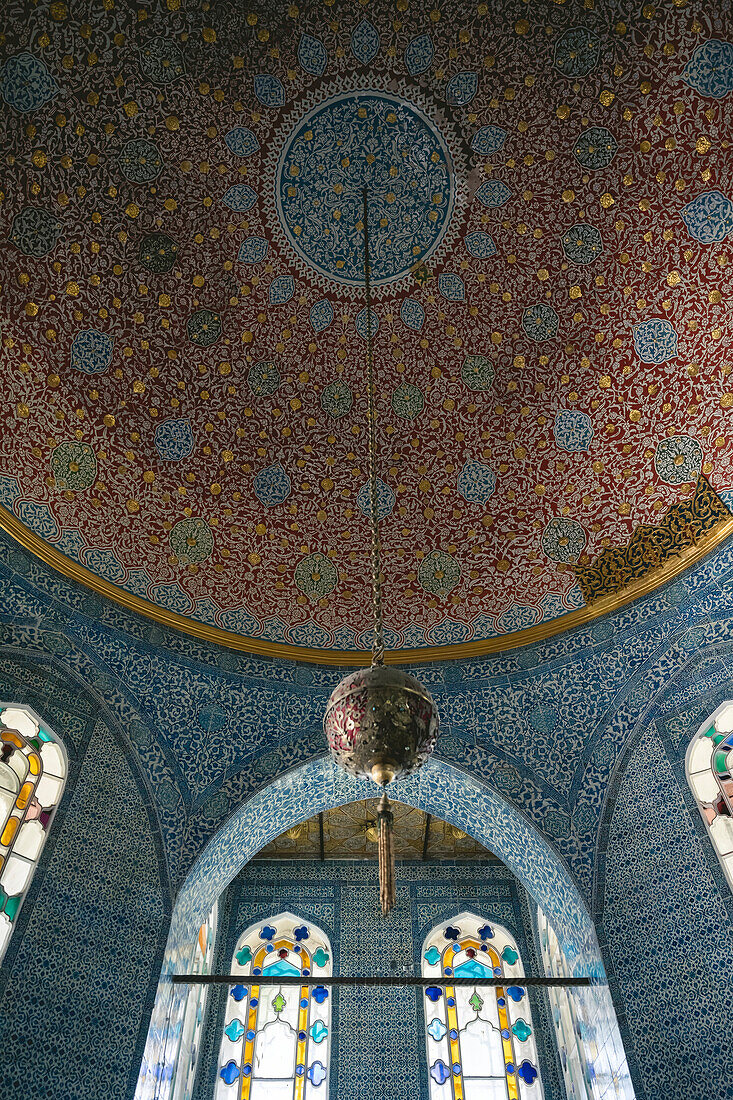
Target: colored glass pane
{"x": 710, "y": 775}
{"x": 32, "y": 777}
{"x": 277, "y": 1038}
{"x": 479, "y": 1043}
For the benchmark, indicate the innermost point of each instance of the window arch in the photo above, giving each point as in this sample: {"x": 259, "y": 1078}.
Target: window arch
{"x": 480, "y": 1040}
{"x": 184, "y": 1076}
{"x": 277, "y": 1040}
{"x": 710, "y": 775}
{"x": 32, "y": 777}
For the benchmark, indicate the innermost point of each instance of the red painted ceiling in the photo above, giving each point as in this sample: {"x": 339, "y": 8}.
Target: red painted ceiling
{"x": 602, "y": 131}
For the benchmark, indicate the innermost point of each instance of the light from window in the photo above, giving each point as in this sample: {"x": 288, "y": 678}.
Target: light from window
{"x": 277, "y": 1039}
{"x": 480, "y": 1039}
{"x": 588, "y": 1039}
{"x": 32, "y": 777}
{"x": 184, "y": 1074}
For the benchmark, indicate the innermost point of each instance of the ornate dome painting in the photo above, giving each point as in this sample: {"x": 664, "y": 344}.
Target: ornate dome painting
{"x": 183, "y": 315}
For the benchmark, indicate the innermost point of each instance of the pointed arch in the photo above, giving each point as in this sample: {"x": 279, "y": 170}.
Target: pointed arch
{"x": 277, "y": 1041}
{"x": 480, "y": 1039}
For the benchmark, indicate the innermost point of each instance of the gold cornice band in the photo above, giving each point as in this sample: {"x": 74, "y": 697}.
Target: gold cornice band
{"x": 71, "y": 569}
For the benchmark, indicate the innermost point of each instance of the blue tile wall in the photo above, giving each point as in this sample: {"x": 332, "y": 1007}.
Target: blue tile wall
{"x": 379, "y": 1034}
{"x": 536, "y": 744}
{"x": 77, "y": 983}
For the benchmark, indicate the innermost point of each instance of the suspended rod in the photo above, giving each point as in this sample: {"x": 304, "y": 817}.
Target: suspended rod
{"x": 386, "y": 980}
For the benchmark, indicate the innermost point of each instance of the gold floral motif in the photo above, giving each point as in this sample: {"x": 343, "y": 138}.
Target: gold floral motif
{"x": 652, "y": 546}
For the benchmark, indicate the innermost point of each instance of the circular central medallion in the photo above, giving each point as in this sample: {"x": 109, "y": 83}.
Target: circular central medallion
{"x": 365, "y": 139}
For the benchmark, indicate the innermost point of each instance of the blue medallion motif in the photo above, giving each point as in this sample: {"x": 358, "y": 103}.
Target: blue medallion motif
{"x": 540, "y": 322}
{"x": 655, "y": 340}
{"x": 409, "y": 211}
{"x": 493, "y": 193}
{"x": 35, "y": 232}
{"x": 709, "y": 217}
{"x": 563, "y": 540}
{"x": 282, "y": 290}
{"x": 272, "y": 485}
{"x": 461, "y": 89}
{"x": 412, "y": 314}
{"x": 253, "y": 250}
{"x": 476, "y": 482}
{"x": 26, "y": 83}
{"x": 240, "y": 198}
{"x": 595, "y": 148}
{"x": 451, "y": 286}
{"x": 710, "y": 69}
{"x": 582, "y": 244}
{"x": 361, "y": 322}
{"x": 263, "y": 378}
{"x": 385, "y": 499}
{"x": 573, "y": 430}
{"x": 140, "y": 161}
{"x": 321, "y": 315}
{"x": 242, "y": 141}
{"x": 161, "y": 61}
{"x": 91, "y": 351}
{"x": 174, "y": 439}
{"x": 269, "y": 90}
{"x": 365, "y": 42}
{"x": 312, "y": 55}
{"x": 577, "y": 52}
{"x": 419, "y": 54}
{"x": 479, "y": 244}
{"x": 488, "y": 140}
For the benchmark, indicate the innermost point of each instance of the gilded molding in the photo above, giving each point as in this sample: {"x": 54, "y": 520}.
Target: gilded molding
{"x": 602, "y": 606}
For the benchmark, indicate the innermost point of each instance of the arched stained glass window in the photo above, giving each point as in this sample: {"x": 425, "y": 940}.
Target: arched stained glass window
{"x": 710, "y": 775}
{"x": 480, "y": 1039}
{"x": 194, "y": 1012}
{"x": 32, "y": 777}
{"x": 277, "y": 1039}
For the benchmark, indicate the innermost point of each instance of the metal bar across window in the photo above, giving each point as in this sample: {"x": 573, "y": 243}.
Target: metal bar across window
{"x": 386, "y": 980}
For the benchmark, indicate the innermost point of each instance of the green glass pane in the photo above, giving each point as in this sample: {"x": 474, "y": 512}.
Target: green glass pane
{"x": 719, "y": 762}
{"x": 509, "y": 955}
{"x": 711, "y": 732}
{"x": 522, "y": 1030}
{"x": 278, "y": 1002}
{"x": 476, "y": 1002}
{"x": 12, "y": 905}
{"x": 244, "y": 956}
{"x": 320, "y": 957}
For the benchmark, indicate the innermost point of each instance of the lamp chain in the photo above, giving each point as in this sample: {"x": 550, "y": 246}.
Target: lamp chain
{"x": 378, "y": 640}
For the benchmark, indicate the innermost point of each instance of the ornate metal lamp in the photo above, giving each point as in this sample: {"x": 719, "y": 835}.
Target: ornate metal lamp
{"x": 380, "y": 722}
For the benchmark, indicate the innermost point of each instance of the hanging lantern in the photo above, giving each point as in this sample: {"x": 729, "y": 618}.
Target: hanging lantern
{"x": 380, "y": 722}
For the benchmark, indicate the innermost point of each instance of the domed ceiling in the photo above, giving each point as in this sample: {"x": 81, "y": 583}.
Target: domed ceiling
{"x": 183, "y": 314}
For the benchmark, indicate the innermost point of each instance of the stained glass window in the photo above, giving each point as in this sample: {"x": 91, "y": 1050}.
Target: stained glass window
{"x": 710, "y": 774}
{"x": 32, "y": 777}
{"x": 277, "y": 1039}
{"x": 588, "y": 1039}
{"x": 480, "y": 1039}
{"x": 194, "y": 1012}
